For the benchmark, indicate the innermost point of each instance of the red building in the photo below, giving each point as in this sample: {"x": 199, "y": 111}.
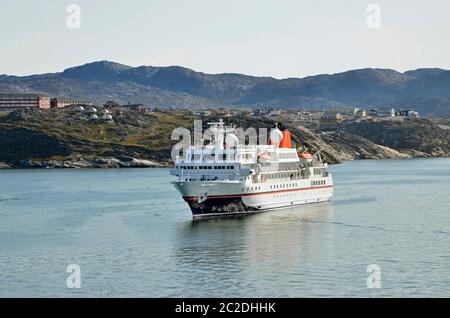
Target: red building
{"x": 20, "y": 101}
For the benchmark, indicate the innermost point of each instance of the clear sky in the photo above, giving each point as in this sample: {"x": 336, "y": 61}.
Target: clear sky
{"x": 279, "y": 38}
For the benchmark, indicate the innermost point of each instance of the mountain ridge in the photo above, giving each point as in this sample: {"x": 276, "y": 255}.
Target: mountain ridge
{"x": 180, "y": 87}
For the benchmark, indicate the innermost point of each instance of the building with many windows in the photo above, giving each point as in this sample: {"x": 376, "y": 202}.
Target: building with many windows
{"x": 62, "y": 103}
{"x": 20, "y": 101}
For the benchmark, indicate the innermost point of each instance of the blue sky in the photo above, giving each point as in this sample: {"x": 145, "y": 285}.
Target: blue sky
{"x": 283, "y": 38}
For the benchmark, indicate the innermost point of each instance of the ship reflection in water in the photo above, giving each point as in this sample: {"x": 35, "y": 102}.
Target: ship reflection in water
{"x": 256, "y": 248}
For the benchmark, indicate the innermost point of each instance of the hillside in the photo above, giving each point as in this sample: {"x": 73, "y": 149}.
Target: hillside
{"x": 404, "y": 135}
{"x": 65, "y": 138}
{"x": 427, "y": 90}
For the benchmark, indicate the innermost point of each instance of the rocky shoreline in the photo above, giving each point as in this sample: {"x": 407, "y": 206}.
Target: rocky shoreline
{"x": 114, "y": 163}
{"x": 67, "y": 139}
{"x": 79, "y": 162}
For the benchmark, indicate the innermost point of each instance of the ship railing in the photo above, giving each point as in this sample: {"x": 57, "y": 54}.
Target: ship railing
{"x": 262, "y": 178}
{"x": 229, "y": 158}
{"x": 203, "y": 178}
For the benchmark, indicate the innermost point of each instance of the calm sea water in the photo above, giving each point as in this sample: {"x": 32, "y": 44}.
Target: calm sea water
{"x": 132, "y": 235}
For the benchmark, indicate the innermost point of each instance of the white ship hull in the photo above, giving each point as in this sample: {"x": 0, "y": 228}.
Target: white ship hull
{"x": 214, "y": 198}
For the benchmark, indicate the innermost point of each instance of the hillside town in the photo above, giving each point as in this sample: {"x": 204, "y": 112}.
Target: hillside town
{"x": 325, "y": 120}
{"x": 78, "y": 133}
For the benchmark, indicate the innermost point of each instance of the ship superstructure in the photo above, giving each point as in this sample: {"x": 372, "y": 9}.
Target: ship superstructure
{"x": 226, "y": 177}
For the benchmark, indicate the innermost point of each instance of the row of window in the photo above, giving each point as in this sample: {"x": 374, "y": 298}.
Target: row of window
{"x": 18, "y": 104}
{"x": 318, "y": 183}
{"x": 284, "y": 186}
{"x": 278, "y": 176}
{"x": 206, "y": 167}
{"x": 244, "y": 156}
{"x": 283, "y": 175}
{"x": 318, "y": 171}
{"x": 287, "y": 185}
{"x": 209, "y": 157}
{"x": 284, "y": 195}
{"x": 288, "y": 166}
{"x": 287, "y": 155}
{"x": 19, "y": 100}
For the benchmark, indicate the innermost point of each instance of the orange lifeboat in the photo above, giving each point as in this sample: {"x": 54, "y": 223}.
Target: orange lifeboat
{"x": 305, "y": 155}
{"x": 264, "y": 158}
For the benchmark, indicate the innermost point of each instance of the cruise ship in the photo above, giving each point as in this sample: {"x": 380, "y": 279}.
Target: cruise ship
{"x": 227, "y": 178}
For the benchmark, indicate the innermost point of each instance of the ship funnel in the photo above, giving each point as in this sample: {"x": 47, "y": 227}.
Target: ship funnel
{"x": 286, "y": 141}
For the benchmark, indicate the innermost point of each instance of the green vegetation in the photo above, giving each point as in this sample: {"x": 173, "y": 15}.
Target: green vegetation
{"x": 61, "y": 133}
